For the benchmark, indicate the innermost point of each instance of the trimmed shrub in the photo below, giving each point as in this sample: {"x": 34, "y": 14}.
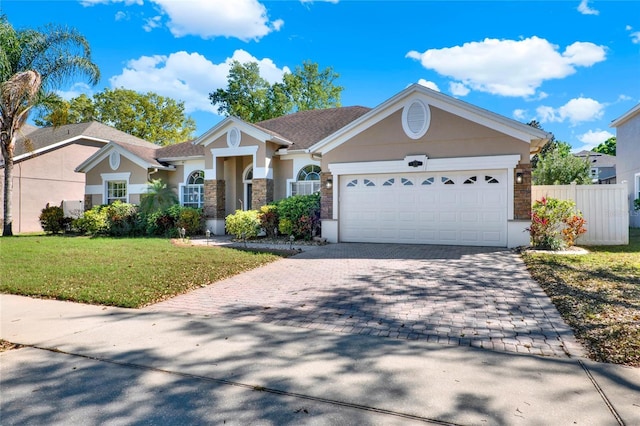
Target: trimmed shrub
{"x": 302, "y": 212}
{"x": 555, "y": 224}
{"x": 243, "y": 224}
{"x": 92, "y": 222}
{"x": 190, "y": 219}
{"x": 122, "y": 219}
{"x": 268, "y": 216}
{"x": 52, "y": 219}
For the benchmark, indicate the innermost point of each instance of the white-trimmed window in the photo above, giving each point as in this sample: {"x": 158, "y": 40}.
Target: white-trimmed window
{"x": 307, "y": 181}
{"x": 193, "y": 191}
{"x": 116, "y": 191}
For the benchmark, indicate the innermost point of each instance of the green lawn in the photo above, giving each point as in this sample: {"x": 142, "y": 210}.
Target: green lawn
{"x": 118, "y": 272}
{"x": 598, "y": 294}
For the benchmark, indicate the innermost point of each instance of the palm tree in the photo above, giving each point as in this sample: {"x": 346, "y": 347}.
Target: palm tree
{"x": 32, "y": 64}
{"x": 158, "y": 197}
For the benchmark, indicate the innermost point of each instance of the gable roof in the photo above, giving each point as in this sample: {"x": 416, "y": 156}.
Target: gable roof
{"x": 305, "y": 128}
{"x": 248, "y": 128}
{"x": 597, "y": 158}
{"x": 180, "y": 151}
{"x": 535, "y": 137}
{"x": 626, "y": 116}
{"x": 36, "y": 140}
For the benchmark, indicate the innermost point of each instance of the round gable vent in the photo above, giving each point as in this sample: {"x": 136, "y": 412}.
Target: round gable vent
{"x": 233, "y": 137}
{"x": 415, "y": 119}
{"x": 114, "y": 160}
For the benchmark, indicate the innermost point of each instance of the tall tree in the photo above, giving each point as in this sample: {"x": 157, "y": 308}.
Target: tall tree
{"x": 248, "y": 95}
{"x": 309, "y": 88}
{"x": 252, "y": 98}
{"x": 558, "y": 167}
{"x": 607, "y": 147}
{"x": 32, "y": 64}
{"x": 149, "y": 116}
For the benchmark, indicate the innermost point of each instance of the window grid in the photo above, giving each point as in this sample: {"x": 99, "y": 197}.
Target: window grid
{"x": 116, "y": 191}
{"x": 193, "y": 196}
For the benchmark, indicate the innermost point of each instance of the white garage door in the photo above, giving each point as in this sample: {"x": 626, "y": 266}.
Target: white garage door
{"x": 454, "y": 208}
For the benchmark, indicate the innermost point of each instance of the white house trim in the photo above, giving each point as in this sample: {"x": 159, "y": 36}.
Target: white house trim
{"x": 210, "y": 174}
{"x": 105, "y": 151}
{"x": 110, "y": 177}
{"x": 58, "y": 145}
{"x": 429, "y": 97}
{"x": 230, "y": 122}
{"x": 431, "y": 165}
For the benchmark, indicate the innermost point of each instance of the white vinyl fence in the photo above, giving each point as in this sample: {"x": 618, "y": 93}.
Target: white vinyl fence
{"x": 604, "y": 207}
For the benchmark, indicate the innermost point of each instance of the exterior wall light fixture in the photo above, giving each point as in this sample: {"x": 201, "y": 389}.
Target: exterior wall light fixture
{"x": 329, "y": 183}
{"x": 519, "y": 177}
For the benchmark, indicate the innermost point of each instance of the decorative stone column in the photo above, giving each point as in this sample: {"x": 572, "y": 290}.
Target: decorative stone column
{"x": 214, "y": 199}
{"x": 261, "y": 192}
{"x": 522, "y": 193}
{"x": 326, "y": 196}
{"x": 88, "y": 202}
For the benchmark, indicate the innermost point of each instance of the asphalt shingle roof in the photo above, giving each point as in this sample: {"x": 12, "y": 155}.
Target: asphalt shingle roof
{"x": 598, "y": 159}
{"x": 180, "y": 150}
{"x": 306, "y": 128}
{"x": 39, "y": 138}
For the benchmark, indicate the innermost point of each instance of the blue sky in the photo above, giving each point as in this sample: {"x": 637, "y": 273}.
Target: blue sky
{"x": 572, "y": 65}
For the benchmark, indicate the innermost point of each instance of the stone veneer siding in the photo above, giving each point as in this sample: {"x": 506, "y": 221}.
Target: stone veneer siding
{"x": 326, "y": 196}
{"x": 261, "y": 193}
{"x": 214, "y": 199}
{"x": 522, "y": 193}
{"x": 88, "y": 202}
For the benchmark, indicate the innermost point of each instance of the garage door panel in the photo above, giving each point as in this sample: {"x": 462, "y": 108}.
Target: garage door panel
{"x": 400, "y": 208}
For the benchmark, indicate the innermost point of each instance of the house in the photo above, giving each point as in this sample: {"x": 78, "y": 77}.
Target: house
{"x": 628, "y": 157}
{"x": 44, "y": 163}
{"x": 421, "y": 168}
{"x": 603, "y": 166}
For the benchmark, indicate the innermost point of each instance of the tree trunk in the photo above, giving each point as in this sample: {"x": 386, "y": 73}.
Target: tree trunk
{"x": 7, "y": 155}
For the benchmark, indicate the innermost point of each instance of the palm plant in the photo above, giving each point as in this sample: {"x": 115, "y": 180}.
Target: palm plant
{"x": 33, "y": 63}
{"x": 159, "y": 196}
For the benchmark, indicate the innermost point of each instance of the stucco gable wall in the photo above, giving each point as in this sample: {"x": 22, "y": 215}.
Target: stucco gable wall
{"x": 138, "y": 174}
{"x": 245, "y": 141}
{"x": 448, "y": 136}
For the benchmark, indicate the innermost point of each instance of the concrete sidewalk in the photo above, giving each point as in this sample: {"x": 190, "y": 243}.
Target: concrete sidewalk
{"x": 90, "y": 364}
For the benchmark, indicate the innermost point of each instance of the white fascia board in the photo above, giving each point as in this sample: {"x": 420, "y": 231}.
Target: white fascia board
{"x": 432, "y": 165}
{"x": 170, "y": 159}
{"x": 626, "y": 116}
{"x": 58, "y": 145}
{"x": 104, "y": 152}
{"x": 221, "y": 128}
{"x": 454, "y": 106}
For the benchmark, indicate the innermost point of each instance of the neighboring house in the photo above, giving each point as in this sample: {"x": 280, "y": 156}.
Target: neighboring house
{"x": 628, "y": 157}
{"x": 421, "y": 168}
{"x": 45, "y": 159}
{"x": 603, "y": 166}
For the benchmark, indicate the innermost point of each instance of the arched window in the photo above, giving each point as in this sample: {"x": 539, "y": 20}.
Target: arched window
{"x": 307, "y": 181}
{"x": 193, "y": 191}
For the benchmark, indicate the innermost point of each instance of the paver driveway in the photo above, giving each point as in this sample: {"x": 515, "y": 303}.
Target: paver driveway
{"x": 473, "y": 296}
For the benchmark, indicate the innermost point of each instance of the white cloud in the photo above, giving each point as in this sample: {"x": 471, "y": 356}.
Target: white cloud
{"x": 152, "y": 23}
{"x": 592, "y": 138}
{"x": 584, "y": 8}
{"x": 576, "y": 111}
{"x": 520, "y": 114}
{"x": 429, "y": 84}
{"x": 458, "y": 89}
{"x": 120, "y": 15}
{"x": 188, "y": 77}
{"x": 635, "y": 37}
{"x": 242, "y": 19}
{"x": 509, "y": 67}
{"x": 76, "y": 90}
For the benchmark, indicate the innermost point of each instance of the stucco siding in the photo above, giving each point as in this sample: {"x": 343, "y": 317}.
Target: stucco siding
{"x": 448, "y": 136}
{"x": 46, "y": 178}
{"x": 628, "y": 161}
{"x": 282, "y": 170}
{"x": 138, "y": 174}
